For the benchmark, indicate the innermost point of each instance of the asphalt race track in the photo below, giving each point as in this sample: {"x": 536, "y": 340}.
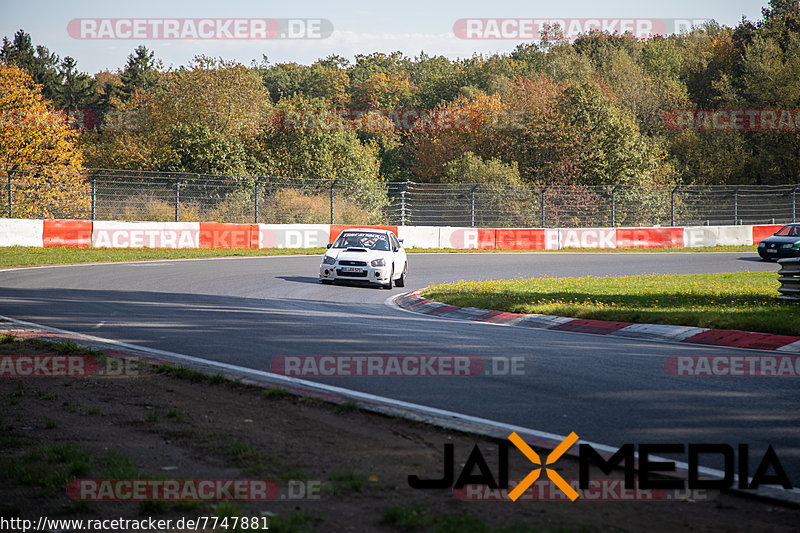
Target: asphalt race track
{"x": 245, "y": 311}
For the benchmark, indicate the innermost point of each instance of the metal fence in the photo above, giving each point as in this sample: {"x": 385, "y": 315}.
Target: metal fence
{"x": 58, "y": 192}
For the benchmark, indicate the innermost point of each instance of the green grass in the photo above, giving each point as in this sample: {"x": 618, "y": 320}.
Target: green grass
{"x": 342, "y": 482}
{"x": 29, "y": 256}
{"x": 250, "y": 459}
{"x": 49, "y": 467}
{"x": 741, "y": 300}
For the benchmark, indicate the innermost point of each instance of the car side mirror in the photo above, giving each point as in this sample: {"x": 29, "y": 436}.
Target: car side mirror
{"x": 401, "y": 241}
{"x": 330, "y": 244}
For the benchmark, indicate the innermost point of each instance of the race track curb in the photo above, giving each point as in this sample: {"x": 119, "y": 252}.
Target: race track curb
{"x": 413, "y": 301}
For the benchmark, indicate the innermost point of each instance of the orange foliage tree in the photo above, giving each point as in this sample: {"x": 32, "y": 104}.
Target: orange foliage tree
{"x": 39, "y": 152}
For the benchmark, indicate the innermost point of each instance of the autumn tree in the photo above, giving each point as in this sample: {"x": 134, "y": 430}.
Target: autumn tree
{"x": 38, "y": 61}
{"x": 38, "y": 151}
{"x": 196, "y": 119}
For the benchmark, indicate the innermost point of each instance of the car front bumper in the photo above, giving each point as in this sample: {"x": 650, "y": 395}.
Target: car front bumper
{"x": 777, "y": 253}
{"x": 368, "y": 273}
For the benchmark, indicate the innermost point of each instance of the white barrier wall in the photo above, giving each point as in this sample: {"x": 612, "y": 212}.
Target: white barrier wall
{"x": 21, "y": 232}
{"x": 293, "y": 235}
{"x": 419, "y": 236}
{"x": 587, "y": 238}
{"x": 696, "y": 236}
{"x": 735, "y": 235}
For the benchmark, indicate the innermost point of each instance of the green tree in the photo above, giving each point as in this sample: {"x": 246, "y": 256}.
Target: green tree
{"x": 77, "y": 90}
{"x": 40, "y": 63}
{"x": 141, "y": 72}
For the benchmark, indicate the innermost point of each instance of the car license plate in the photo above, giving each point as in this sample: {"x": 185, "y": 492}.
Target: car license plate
{"x": 350, "y": 269}
{"x": 772, "y": 251}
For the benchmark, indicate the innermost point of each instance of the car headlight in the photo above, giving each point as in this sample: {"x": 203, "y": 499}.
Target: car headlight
{"x": 328, "y": 260}
{"x": 378, "y": 263}
{"x": 787, "y": 245}
{"x": 762, "y": 244}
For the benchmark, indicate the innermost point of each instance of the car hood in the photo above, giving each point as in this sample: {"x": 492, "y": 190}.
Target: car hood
{"x": 780, "y": 240}
{"x": 349, "y": 254}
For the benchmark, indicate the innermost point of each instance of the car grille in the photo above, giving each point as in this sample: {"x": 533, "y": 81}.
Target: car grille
{"x": 353, "y": 263}
{"x": 362, "y": 274}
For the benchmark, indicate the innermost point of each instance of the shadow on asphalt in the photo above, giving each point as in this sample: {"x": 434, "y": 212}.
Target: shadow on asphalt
{"x": 315, "y": 281}
{"x": 299, "y": 279}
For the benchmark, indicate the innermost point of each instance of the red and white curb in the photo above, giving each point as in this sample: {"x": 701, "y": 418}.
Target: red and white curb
{"x": 414, "y": 302}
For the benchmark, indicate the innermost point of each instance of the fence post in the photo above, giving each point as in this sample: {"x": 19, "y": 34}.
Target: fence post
{"x": 403, "y": 203}
{"x": 332, "y": 186}
{"x": 472, "y": 205}
{"x": 255, "y": 200}
{"x": 94, "y": 194}
{"x": 794, "y": 201}
{"x": 542, "y": 202}
{"x": 11, "y": 191}
{"x": 177, "y": 199}
{"x": 672, "y": 205}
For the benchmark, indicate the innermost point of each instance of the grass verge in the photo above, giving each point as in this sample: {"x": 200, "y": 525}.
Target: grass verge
{"x": 58, "y": 255}
{"x": 741, "y": 300}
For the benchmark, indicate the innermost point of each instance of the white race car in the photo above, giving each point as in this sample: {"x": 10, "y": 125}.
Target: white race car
{"x": 370, "y": 255}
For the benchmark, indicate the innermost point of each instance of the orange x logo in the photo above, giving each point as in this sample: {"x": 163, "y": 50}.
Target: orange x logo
{"x": 554, "y": 476}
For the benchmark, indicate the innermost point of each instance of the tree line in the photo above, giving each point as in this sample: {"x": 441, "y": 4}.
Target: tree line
{"x": 582, "y": 113}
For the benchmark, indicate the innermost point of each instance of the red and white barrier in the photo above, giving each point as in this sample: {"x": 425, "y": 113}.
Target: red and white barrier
{"x": 337, "y": 229}
{"x": 467, "y": 238}
{"x": 118, "y": 234}
{"x": 67, "y": 233}
{"x": 519, "y": 239}
{"x": 223, "y": 235}
{"x": 114, "y": 234}
{"x": 649, "y": 237}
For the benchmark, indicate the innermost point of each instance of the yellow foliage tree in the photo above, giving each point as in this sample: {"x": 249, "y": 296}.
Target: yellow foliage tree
{"x": 39, "y": 152}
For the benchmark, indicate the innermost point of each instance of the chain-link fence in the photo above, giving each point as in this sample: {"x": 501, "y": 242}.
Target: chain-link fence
{"x": 58, "y": 192}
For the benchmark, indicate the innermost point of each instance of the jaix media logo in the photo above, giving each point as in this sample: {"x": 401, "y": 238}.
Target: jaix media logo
{"x": 768, "y": 472}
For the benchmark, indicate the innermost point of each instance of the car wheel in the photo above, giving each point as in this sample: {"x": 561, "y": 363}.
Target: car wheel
{"x": 389, "y": 285}
{"x": 401, "y": 281}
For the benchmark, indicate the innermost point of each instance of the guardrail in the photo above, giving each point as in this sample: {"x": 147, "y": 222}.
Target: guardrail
{"x": 789, "y": 278}
{"x": 152, "y": 234}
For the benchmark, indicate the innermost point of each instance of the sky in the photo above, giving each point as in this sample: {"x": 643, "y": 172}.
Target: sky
{"x": 345, "y": 28}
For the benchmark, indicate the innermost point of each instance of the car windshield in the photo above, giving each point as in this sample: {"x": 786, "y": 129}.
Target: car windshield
{"x": 789, "y": 231}
{"x": 370, "y": 241}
